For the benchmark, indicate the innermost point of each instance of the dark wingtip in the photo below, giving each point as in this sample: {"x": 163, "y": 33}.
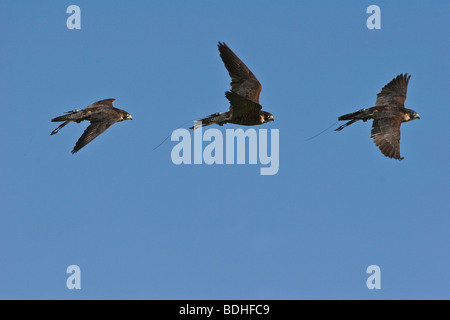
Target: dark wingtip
{"x": 230, "y": 93}
{"x": 404, "y": 76}
{"x": 395, "y": 157}
{"x": 222, "y": 46}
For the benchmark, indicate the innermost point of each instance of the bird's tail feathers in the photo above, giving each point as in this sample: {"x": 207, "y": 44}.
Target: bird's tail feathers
{"x": 345, "y": 124}
{"x": 60, "y": 127}
{"x": 68, "y": 116}
{"x": 363, "y": 114}
{"x": 215, "y": 118}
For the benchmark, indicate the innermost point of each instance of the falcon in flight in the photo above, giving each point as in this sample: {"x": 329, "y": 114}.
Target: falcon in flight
{"x": 243, "y": 97}
{"x": 101, "y": 114}
{"x": 388, "y": 114}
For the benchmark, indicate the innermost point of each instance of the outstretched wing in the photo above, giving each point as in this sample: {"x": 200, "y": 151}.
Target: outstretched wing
{"x": 386, "y": 135}
{"x": 243, "y": 81}
{"x": 92, "y": 131}
{"x": 103, "y": 103}
{"x": 394, "y": 93}
{"x": 242, "y": 107}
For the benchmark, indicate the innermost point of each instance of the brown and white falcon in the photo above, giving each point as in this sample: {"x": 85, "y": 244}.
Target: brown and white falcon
{"x": 388, "y": 114}
{"x": 243, "y": 97}
{"x": 101, "y": 114}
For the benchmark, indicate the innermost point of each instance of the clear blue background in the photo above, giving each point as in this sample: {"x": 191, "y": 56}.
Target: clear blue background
{"x": 141, "y": 227}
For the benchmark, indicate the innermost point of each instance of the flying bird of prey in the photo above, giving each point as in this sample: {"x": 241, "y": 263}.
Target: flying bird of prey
{"x": 101, "y": 115}
{"x": 388, "y": 114}
{"x": 243, "y": 97}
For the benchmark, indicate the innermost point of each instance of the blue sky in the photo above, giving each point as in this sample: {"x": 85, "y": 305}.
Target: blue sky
{"x": 141, "y": 227}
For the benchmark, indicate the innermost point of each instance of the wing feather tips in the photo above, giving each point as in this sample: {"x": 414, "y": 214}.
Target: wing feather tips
{"x": 407, "y": 77}
{"x": 223, "y": 49}
{"x": 394, "y": 93}
{"x": 386, "y": 147}
{"x": 78, "y": 146}
{"x": 403, "y": 80}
